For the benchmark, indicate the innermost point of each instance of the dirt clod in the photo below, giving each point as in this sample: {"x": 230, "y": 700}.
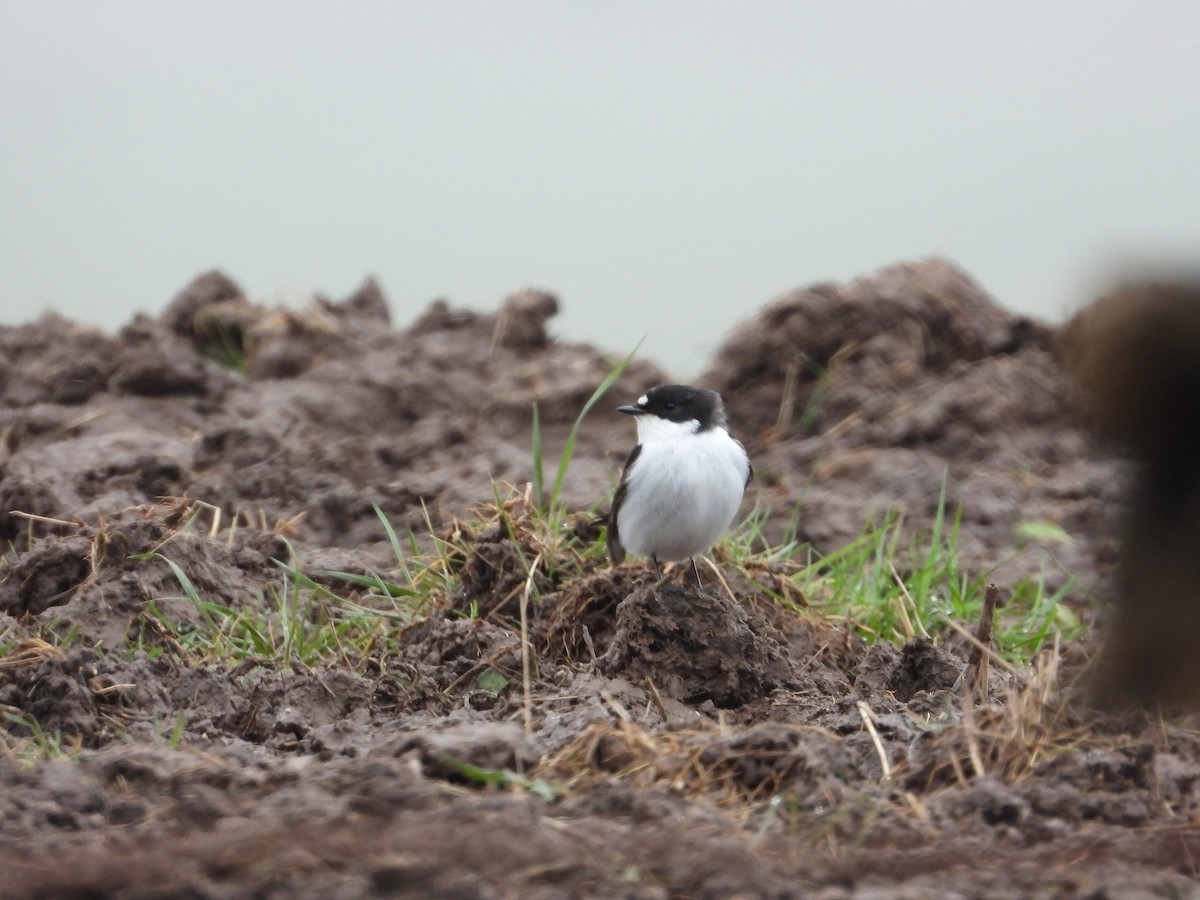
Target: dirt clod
{"x": 695, "y": 646}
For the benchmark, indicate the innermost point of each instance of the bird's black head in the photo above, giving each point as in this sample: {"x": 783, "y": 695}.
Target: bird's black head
{"x": 680, "y": 403}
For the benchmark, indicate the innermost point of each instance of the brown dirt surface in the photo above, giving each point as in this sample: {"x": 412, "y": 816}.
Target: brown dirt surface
{"x": 533, "y": 722}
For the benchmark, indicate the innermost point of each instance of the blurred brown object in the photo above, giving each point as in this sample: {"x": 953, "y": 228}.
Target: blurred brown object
{"x": 1133, "y": 358}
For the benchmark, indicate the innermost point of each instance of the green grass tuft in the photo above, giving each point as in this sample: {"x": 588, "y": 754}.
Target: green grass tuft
{"x": 889, "y": 587}
{"x": 889, "y": 583}
{"x": 550, "y": 504}
{"x": 37, "y": 744}
{"x": 505, "y": 778}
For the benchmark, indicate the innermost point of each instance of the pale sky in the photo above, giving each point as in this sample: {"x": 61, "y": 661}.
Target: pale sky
{"x": 666, "y": 168}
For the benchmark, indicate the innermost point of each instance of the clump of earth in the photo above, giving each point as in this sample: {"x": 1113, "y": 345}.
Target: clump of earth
{"x": 544, "y": 724}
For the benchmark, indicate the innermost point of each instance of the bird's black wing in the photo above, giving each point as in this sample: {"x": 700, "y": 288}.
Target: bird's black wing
{"x": 615, "y": 551}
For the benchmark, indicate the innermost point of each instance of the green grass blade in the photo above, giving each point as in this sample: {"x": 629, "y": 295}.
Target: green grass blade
{"x": 391, "y": 532}
{"x": 189, "y": 590}
{"x": 569, "y": 449}
{"x": 539, "y": 478}
{"x": 387, "y": 588}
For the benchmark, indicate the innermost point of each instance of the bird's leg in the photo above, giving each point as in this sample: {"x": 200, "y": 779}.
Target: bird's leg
{"x": 662, "y": 579}
{"x": 696, "y": 569}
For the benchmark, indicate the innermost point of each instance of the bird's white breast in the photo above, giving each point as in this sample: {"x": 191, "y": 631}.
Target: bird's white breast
{"x": 684, "y": 489}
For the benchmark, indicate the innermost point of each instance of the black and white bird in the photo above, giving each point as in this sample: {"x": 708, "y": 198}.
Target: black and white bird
{"x": 683, "y": 482}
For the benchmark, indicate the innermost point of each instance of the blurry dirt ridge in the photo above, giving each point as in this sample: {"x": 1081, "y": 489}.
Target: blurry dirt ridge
{"x": 626, "y": 740}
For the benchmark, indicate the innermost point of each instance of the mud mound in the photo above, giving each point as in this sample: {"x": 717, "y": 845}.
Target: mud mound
{"x": 453, "y": 657}
{"x": 919, "y": 667}
{"x": 895, "y": 325}
{"x": 695, "y": 646}
{"x": 273, "y": 623}
{"x": 99, "y": 577}
{"x": 497, "y": 572}
{"x": 885, "y": 390}
{"x": 306, "y": 418}
{"x": 55, "y": 362}
{"x": 583, "y": 616}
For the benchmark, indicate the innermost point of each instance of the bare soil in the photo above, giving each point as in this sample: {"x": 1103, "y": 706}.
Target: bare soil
{"x": 674, "y": 741}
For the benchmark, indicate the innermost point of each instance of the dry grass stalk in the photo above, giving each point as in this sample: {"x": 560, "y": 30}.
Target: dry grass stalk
{"x": 694, "y": 763}
{"x": 1011, "y": 738}
{"x": 977, "y": 663}
{"x": 787, "y": 400}
{"x": 868, "y": 718}
{"x": 526, "y": 651}
{"x": 45, "y": 520}
{"x": 29, "y": 652}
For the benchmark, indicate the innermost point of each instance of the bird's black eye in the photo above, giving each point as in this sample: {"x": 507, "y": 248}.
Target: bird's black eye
{"x": 670, "y": 406}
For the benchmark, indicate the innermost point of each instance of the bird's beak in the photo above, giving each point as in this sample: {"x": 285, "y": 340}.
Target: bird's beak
{"x": 631, "y": 410}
